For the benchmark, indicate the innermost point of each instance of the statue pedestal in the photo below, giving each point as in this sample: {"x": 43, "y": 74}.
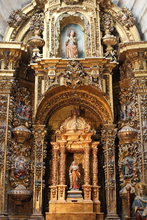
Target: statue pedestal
{"x": 73, "y": 211}
{"x": 74, "y": 216}
{"x": 74, "y": 196}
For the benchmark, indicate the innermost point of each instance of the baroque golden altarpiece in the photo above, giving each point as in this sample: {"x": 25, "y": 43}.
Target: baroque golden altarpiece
{"x": 73, "y": 87}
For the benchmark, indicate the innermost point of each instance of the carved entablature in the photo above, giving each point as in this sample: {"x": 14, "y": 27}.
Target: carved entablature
{"x": 134, "y": 57}
{"x": 73, "y": 74}
{"x": 10, "y": 54}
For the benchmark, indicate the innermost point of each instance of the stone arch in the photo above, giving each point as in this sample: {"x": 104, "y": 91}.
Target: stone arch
{"x": 86, "y": 96}
{"x": 19, "y": 33}
{"x": 126, "y": 29}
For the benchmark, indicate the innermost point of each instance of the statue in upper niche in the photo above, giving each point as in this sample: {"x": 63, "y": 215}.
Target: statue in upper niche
{"x": 71, "y": 45}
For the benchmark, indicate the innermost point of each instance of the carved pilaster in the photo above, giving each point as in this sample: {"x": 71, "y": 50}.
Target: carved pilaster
{"x": 4, "y": 120}
{"x": 10, "y": 54}
{"x": 95, "y": 189}
{"x": 108, "y": 138}
{"x": 39, "y": 153}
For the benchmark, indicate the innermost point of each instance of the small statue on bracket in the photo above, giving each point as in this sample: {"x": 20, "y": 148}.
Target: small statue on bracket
{"x": 127, "y": 167}
{"x": 74, "y": 176}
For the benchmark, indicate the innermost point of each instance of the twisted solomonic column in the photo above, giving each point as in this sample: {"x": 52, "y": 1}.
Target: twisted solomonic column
{"x": 87, "y": 187}
{"x": 62, "y": 186}
{"x": 55, "y": 149}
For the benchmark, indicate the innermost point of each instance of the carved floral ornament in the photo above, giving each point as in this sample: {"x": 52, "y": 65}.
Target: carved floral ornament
{"x": 23, "y": 107}
{"x": 125, "y": 17}
{"x": 74, "y": 74}
{"x": 107, "y": 22}
{"x": 16, "y": 18}
{"x": 37, "y": 23}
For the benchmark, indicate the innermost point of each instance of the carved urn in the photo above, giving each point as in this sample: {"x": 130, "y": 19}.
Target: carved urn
{"x": 127, "y": 134}
{"x": 20, "y": 193}
{"x": 109, "y": 39}
{"x": 21, "y": 133}
{"x": 36, "y": 41}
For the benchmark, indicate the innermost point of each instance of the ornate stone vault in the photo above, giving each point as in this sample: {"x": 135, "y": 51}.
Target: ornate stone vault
{"x": 57, "y": 56}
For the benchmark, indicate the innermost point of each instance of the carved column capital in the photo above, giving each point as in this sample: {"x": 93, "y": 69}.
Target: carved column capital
{"x": 109, "y": 130}
{"x": 39, "y": 131}
{"x": 95, "y": 146}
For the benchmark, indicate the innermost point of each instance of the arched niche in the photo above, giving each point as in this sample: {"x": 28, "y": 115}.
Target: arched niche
{"x": 79, "y": 23}
{"x": 87, "y": 97}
